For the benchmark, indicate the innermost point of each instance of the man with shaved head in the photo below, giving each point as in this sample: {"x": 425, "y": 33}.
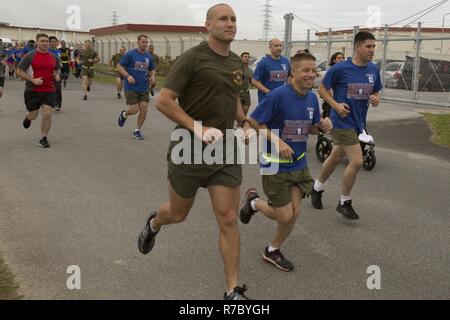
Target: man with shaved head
{"x": 201, "y": 95}
{"x": 273, "y": 71}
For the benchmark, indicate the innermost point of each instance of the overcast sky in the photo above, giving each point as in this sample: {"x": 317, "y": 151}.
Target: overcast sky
{"x": 324, "y": 13}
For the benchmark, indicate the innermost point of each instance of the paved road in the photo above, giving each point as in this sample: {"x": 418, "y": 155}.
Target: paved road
{"x": 84, "y": 201}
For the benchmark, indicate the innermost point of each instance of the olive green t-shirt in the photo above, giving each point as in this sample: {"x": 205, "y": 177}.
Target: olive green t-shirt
{"x": 247, "y": 79}
{"x": 208, "y": 85}
{"x": 87, "y": 54}
{"x": 116, "y": 59}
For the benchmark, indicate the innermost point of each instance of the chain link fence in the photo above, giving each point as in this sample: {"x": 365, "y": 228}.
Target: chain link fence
{"x": 414, "y": 69}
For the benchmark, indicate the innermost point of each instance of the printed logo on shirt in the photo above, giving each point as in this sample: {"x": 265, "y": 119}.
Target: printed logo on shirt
{"x": 148, "y": 61}
{"x": 311, "y": 113}
{"x": 359, "y": 91}
{"x": 296, "y": 130}
{"x": 371, "y": 78}
{"x": 141, "y": 66}
{"x": 279, "y": 76}
{"x": 237, "y": 77}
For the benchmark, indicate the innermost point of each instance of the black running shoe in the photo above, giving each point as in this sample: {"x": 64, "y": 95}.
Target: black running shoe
{"x": 119, "y": 96}
{"x": 246, "y": 211}
{"x": 146, "y": 240}
{"x": 316, "y": 199}
{"x": 26, "y": 123}
{"x": 238, "y": 294}
{"x": 43, "y": 143}
{"x": 85, "y": 98}
{"x": 65, "y": 84}
{"x": 278, "y": 260}
{"x": 88, "y": 88}
{"x": 347, "y": 210}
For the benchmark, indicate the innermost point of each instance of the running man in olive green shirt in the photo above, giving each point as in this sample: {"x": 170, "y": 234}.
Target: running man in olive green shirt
{"x": 246, "y": 81}
{"x": 119, "y": 78}
{"x": 206, "y": 80}
{"x": 88, "y": 58}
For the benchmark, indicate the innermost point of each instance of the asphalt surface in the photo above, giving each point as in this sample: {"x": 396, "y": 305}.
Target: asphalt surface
{"x": 84, "y": 201}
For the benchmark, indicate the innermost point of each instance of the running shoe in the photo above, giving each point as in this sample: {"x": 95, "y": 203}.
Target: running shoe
{"x": 347, "y": 210}
{"x": 278, "y": 260}
{"x": 26, "y": 123}
{"x": 43, "y": 143}
{"x": 146, "y": 240}
{"x": 316, "y": 199}
{"x": 246, "y": 211}
{"x": 237, "y": 294}
{"x": 138, "y": 135}
{"x": 122, "y": 119}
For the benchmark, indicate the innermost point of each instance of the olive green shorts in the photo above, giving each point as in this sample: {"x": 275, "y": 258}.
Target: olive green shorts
{"x": 186, "y": 179}
{"x": 87, "y": 72}
{"x": 345, "y": 137}
{"x": 245, "y": 99}
{"x": 278, "y": 187}
{"x": 133, "y": 98}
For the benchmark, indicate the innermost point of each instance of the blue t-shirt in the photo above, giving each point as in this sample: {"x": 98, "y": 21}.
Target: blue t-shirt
{"x": 352, "y": 85}
{"x": 27, "y": 50}
{"x": 137, "y": 65}
{"x": 18, "y": 53}
{"x": 272, "y": 73}
{"x": 284, "y": 109}
{"x": 55, "y": 52}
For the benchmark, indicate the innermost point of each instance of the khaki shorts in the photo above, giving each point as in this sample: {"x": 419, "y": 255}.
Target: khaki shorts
{"x": 87, "y": 72}
{"x": 345, "y": 137}
{"x": 186, "y": 179}
{"x": 245, "y": 99}
{"x": 134, "y": 98}
{"x": 278, "y": 187}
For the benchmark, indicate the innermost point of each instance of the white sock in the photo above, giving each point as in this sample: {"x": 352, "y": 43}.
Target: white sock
{"x": 272, "y": 249}
{"x": 253, "y": 205}
{"x": 125, "y": 115}
{"x": 152, "y": 228}
{"x": 319, "y": 186}
{"x": 344, "y": 199}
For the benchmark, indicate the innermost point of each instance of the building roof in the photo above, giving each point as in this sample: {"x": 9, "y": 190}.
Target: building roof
{"x": 390, "y": 29}
{"x": 147, "y": 28}
{"x": 6, "y": 25}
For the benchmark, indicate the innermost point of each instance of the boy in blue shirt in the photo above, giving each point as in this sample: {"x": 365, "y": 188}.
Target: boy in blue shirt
{"x": 135, "y": 67}
{"x": 289, "y": 114}
{"x": 349, "y": 88}
{"x": 273, "y": 71}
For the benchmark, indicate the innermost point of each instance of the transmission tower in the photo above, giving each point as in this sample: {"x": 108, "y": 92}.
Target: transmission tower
{"x": 267, "y": 24}
{"x": 115, "y": 18}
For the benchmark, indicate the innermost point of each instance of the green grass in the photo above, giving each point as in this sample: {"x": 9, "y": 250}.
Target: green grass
{"x": 440, "y": 124}
{"x": 8, "y": 287}
{"x": 110, "y": 79}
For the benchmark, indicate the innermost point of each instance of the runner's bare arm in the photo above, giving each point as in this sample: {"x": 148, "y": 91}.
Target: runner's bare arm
{"x": 122, "y": 70}
{"x": 167, "y": 105}
{"x": 375, "y": 99}
{"x": 341, "y": 108}
{"x": 152, "y": 77}
{"x": 260, "y": 86}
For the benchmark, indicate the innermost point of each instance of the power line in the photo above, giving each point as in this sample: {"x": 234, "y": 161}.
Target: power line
{"x": 412, "y": 16}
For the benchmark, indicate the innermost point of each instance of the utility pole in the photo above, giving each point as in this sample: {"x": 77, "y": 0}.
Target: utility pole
{"x": 115, "y": 18}
{"x": 267, "y": 28}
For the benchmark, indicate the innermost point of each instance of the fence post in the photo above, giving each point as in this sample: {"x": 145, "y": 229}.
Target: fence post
{"x": 383, "y": 66}
{"x": 355, "y": 32}
{"x": 329, "y": 46}
{"x": 417, "y": 62}
{"x": 308, "y": 39}
{"x": 288, "y": 34}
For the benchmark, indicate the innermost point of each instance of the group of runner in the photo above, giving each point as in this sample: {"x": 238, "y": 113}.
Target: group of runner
{"x": 207, "y": 93}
